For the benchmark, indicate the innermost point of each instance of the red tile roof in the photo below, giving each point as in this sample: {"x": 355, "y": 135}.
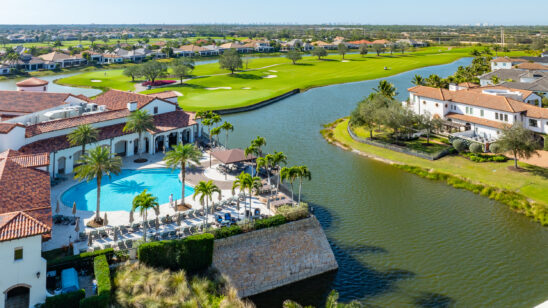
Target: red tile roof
{"x": 25, "y": 160}
{"x": 19, "y": 225}
{"x": 165, "y": 94}
{"x": 115, "y": 99}
{"x": 7, "y": 127}
{"x": 29, "y": 102}
{"x": 360, "y": 42}
{"x": 32, "y": 82}
{"x": 476, "y": 120}
{"x": 172, "y": 120}
{"x": 506, "y": 59}
{"x": 533, "y": 66}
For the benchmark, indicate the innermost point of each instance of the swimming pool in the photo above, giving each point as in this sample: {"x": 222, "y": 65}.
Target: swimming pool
{"x": 117, "y": 192}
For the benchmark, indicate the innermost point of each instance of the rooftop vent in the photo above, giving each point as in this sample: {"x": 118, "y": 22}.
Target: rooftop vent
{"x": 132, "y": 106}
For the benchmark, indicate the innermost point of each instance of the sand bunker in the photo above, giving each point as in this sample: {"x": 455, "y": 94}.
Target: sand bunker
{"x": 246, "y": 88}
{"x": 219, "y": 88}
{"x": 271, "y": 76}
{"x": 95, "y": 80}
{"x": 273, "y": 71}
{"x": 345, "y": 61}
{"x": 178, "y": 93}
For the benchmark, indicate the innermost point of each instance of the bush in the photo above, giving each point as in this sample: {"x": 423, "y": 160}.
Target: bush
{"x": 292, "y": 213}
{"x": 102, "y": 275}
{"x": 546, "y": 143}
{"x": 79, "y": 261}
{"x": 459, "y": 145}
{"x": 495, "y": 148}
{"x": 98, "y": 301}
{"x": 227, "y": 231}
{"x": 270, "y": 222}
{"x": 192, "y": 253}
{"x": 481, "y": 158}
{"x": 475, "y": 148}
{"x": 67, "y": 300}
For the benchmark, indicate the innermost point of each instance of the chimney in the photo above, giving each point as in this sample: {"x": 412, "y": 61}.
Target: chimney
{"x": 453, "y": 87}
{"x": 132, "y": 106}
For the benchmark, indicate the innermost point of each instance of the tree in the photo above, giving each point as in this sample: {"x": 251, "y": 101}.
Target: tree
{"x": 83, "y": 135}
{"x": 181, "y": 156}
{"x": 343, "y": 49}
{"x": 247, "y": 181}
{"x": 495, "y": 79}
{"x": 125, "y": 37}
{"x": 365, "y": 115}
{"x": 230, "y": 60}
{"x": 153, "y": 69}
{"x": 226, "y": 126}
{"x": 331, "y": 302}
{"x": 518, "y": 140}
{"x": 496, "y": 48}
{"x": 182, "y": 67}
{"x": 144, "y": 201}
{"x": 418, "y": 80}
{"x": 363, "y": 49}
{"x": 538, "y": 44}
{"x": 94, "y": 164}
{"x": 393, "y": 47}
{"x": 276, "y": 160}
{"x": 302, "y": 172}
{"x": 294, "y": 56}
{"x": 266, "y": 163}
{"x": 426, "y": 121}
{"x": 205, "y": 191}
{"x": 475, "y": 53}
{"x": 403, "y": 47}
{"x": 319, "y": 52}
{"x": 289, "y": 174}
{"x": 386, "y": 88}
{"x": 252, "y": 150}
{"x": 378, "y": 48}
{"x": 210, "y": 119}
{"x": 133, "y": 71}
{"x": 138, "y": 122}
{"x": 435, "y": 81}
{"x": 216, "y": 131}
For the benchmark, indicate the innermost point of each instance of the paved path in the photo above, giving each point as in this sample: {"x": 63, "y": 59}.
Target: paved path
{"x": 540, "y": 161}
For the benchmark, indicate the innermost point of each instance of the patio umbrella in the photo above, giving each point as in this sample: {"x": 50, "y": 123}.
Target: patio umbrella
{"x": 105, "y": 221}
{"x": 131, "y": 217}
{"x": 77, "y": 226}
{"x": 178, "y": 218}
{"x": 90, "y": 240}
{"x": 238, "y": 207}
{"x": 116, "y": 234}
{"x": 57, "y": 209}
{"x": 157, "y": 223}
{"x": 74, "y": 209}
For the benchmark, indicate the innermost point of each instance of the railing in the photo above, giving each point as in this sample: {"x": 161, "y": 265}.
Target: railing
{"x": 397, "y": 148}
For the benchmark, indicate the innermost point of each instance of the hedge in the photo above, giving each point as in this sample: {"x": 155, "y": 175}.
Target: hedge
{"x": 227, "y": 231}
{"x": 78, "y": 260}
{"x": 98, "y": 301}
{"x": 270, "y": 222}
{"x": 104, "y": 286}
{"x": 193, "y": 253}
{"x": 67, "y": 300}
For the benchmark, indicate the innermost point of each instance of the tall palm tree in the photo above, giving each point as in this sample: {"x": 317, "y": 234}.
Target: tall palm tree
{"x": 302, "y": 172}
{"x": 210, "y": 119}
{"x": 83, "y": 135}
{"x": 252, "y": 150}
{"x": 227, "y": 126}
{"x": 266, "y": 163}
{"x": 247, "y": 181}
{"x": 205, "y": 192}
{"x": 259, "y": 142}
{"x": 144, "y": 201}
{"x": 138, "y": 122}
{"x": 386, "y": 88}
{"x": 180, "y": 156}
{"x": 277, "y": 159}
{"x": 289, "y": 174}
{"x": 94, "y": 164}
{"x": 215, "y": 132}
{"x": 417, "y": 80}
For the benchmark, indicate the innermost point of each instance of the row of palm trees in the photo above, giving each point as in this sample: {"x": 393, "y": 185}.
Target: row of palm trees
{"x": 209, "y": 119}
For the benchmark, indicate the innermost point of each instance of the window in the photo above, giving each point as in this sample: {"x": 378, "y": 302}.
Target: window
{"x": 18, "y": 254}
{"x": 505, "y": 118}
{"x": 424, "y": 102}
{"x": 437, "y": 104}
{"x": 496, "y": 115}
{"x": 156, "y": 110}
{"x": 533, "y": 123}
{"x": 481, "y": 112}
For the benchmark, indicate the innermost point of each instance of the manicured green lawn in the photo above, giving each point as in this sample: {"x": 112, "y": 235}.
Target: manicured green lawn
{"x": 532, "y": 183}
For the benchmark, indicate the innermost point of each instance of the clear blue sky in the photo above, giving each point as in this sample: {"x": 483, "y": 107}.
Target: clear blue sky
{"x": 436, "y": 12}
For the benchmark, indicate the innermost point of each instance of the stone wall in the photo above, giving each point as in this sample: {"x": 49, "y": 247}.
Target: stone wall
{"x": 265, "y": 259}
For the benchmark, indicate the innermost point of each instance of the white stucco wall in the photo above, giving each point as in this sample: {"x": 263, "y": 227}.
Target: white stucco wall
{"x": 163, "y": 107}
{"x": 23, "y": 272}
{"x": 12, "y": 140}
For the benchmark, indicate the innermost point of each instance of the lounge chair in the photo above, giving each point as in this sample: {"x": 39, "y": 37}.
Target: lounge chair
{"x": 129, "y": 243}
{"x": 94, "y": 234}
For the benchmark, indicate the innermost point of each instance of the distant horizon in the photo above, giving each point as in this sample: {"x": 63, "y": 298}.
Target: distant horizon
{"x": 282, "y": 12}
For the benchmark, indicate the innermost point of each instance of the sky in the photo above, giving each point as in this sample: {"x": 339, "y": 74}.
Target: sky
{"x": 408, "y": 12}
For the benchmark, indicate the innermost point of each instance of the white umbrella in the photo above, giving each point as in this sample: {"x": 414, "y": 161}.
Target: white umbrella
{"x": 131, "y": 217}
{"x": 74, "y": 208}
{"x": 77, "y": 226}
{"x": 57, "y": 209}
{"x": 105, "y": 221}
{"x": 178, "y": 218}
{"x": 116, "y": 234}
{"x": 157, "y": 223}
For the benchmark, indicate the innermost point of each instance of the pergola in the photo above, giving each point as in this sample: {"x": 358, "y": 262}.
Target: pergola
{"x": 232, "y": 156}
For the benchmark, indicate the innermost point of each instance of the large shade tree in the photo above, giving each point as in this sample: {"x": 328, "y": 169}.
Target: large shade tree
{"x": 319, "y": 52}
{"x": 94, "y": 164}
{"x": 153, "y": 69}
{"x": 519, "y": 141}
{"x": 230, "y": 60}
{"x": 294, "y": 56}
{"x": 180, "y": 157}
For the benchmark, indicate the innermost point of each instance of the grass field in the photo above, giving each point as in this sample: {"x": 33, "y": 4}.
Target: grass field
{"x": 532, "y": 182}
{"x": 269, "y": 77}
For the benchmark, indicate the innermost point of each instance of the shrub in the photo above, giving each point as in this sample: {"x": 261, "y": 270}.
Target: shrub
{"x": 102, "y": 274}
{"x": 158, "y": 83}
{"x": 192, "y": 253}
{"x": 459, "y": 145}
{"x": 495, "y": 148}
{"x": 98, "y": 301}
{"x": 546, "y": 143}
{"x": 227, "y": 231}
{"x": 481, "y": 158}
{"x": 79, "y": 261}
{"x": 67, "y": 300}
{"x": 292, "y": 213}
{"x": 475, "y": 148}
{"x": 270, "y": 222}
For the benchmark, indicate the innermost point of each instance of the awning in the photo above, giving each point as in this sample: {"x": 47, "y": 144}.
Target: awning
{"x": 232, "y": 156}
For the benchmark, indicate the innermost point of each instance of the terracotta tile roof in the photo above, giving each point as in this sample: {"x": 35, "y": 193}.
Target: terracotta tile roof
{"x": 469, "y": 85}
{"x": 360, "y": 42}
{"x": 115, "y": 99}
{"x": 192, "y": 48}
{"x": 57, "y": 56}
{"x": 26, "y": 160}
{"x": 532, "y": 66}
{"x": 172, "y": 120}
{"x": 7, "y": 127}
{"x": 506, "y": 59}
{"x": 476, "y": 120}
{"x": 165, "y": 94}
{"x": 29, "y": 102}
{"x": 380, "y": 42}
{"x": 32, "y": 82}
{"x": 17, "y": 225}
{"x": 83, "y": 97}
{"x": 45, "y": 127}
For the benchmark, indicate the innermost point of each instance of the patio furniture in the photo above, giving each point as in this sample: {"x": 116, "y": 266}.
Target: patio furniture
{"x": 106, "y": 246}
{"x": 103, "y": 233}
{"x": 129, "y": 243}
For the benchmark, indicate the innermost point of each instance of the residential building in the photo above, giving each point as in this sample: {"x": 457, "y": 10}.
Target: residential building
{"x": 536, "y": 81}
{"x": 63, "y": 60}
{"x": 505, "y": 63}
{"x": 33, "y": 84}
{"x": 412, "y": 43}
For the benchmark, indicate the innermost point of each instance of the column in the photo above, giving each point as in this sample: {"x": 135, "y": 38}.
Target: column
{"x": 129, "y": 147}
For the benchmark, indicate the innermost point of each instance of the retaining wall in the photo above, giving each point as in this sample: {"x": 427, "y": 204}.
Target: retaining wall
{"x": 259, "y": 104}
{"x": 266, "y": 259}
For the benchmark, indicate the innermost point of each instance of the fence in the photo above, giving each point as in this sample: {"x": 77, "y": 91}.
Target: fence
{"x": 400, "y": 149}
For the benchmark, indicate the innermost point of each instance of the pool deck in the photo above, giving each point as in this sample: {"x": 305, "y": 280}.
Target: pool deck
{"x": 62, "y": 234}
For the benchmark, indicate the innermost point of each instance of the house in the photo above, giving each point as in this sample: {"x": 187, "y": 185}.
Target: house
{"x": 40, "y": 122}
{"x": 536, "y": 81}
{"x": 532, "y": 66}
{"x": 33, "y": 84}
{"x": 482, "y": 112}
{"x": 292, "y": 45}
{"x": 241, "y": 48}
{"x": 324, "y": 45}
{"x": 505, "y": 62}
{"x": 111, "y": 57}
{"x": 412, "y": 43}
{"x": 357, "y": 44}
{"x": 5, "y": 69}
{"x": 385, "y": 43}
{"x": 63, "y": 60}
{"x": 25, "y": 222}
{"x": 262, "y": 46}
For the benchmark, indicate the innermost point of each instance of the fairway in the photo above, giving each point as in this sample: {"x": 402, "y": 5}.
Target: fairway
{"x": 269, "y": 77}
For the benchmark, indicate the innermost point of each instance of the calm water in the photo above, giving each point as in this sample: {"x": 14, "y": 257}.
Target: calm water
{"x": 117, "y": 192}
{"x": 400, "y": 240}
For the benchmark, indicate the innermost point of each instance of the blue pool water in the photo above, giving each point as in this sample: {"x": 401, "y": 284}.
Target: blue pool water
{"x": 117, "y": 192}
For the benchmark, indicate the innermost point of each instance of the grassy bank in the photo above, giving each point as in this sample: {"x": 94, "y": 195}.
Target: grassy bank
{"x": 265, "y": 78}
{"x": 524, "y": 191}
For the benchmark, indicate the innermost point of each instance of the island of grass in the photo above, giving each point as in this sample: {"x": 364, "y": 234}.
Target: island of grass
{"x": 212, "y": 88}
{"x": 524, "y": 191}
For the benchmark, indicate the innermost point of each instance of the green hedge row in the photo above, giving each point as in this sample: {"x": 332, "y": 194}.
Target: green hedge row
{"x": 78, "y": 260}
{"x": 481, "y": 158}
{"x": 225, "y": 232}
{"x": 270, "y": 222}
{"x": 104, "y": 286}
{"x": 98, "y": 301}
{"x": 193, "y": 253}
{"x": 67, "y": 300}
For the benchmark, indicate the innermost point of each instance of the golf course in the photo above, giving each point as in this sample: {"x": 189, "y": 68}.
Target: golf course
{"x": 212, "y": 88}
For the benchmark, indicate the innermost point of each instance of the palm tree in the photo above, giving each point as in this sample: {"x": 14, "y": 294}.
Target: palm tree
{"x": 215, "y": 132}
{"x": 246, "y": 181}
{"x": 265, "y": 162}
{"x": 226, "y": 126}
{"x": 302, "y": 173}
{"x": 83, "y": 135}
{"x": 386, "y": 88}
{"x": 289, "y": 174}
{"x": 417, "y": 80}
{"x": 205, "y": 191}
{"x": 97, "y": 162}
{"x": 252, "y": 150}
{"x": 209, "y": 120}
{"x": 259, "y": 142}
{"x": 180, "y": 156}
{"x": 139, "y": 121}
{"x": 277, "y": 159}
{"x": 144, "y": 201}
